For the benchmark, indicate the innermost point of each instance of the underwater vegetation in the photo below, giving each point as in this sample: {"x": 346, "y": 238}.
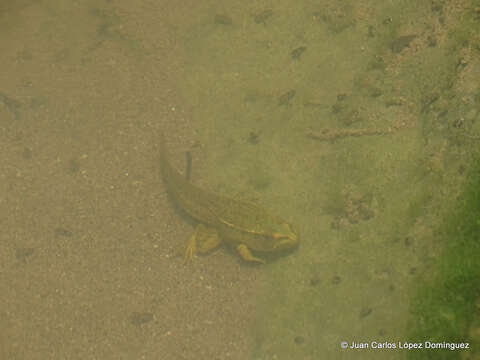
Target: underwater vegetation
{"x": 446, "y": 307}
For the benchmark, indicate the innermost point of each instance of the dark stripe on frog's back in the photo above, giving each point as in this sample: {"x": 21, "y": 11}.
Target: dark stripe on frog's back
{"x": 193, "y": 200}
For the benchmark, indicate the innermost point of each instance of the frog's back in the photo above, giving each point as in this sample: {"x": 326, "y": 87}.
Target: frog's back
{"x": 206, "y": 206}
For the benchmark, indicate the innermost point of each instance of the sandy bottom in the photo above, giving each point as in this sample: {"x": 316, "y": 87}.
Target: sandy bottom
{"x": 88, "y": 235}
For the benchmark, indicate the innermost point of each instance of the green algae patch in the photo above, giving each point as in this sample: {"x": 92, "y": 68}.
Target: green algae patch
{"x": 446, "y": 306}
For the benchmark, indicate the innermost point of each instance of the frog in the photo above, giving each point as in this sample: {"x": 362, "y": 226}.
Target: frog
{"x": 246, "y": 226}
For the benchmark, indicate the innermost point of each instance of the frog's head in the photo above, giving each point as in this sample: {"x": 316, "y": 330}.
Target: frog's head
{"x": 284, "y": 238}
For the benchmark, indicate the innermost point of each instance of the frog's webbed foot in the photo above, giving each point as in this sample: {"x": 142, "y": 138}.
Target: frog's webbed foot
{"x": 203, "y": 240}
{"x": 246, "y": 255}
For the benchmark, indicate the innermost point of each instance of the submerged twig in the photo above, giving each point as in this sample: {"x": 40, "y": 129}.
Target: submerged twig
{"x": 188, "y": 169}
{"x": 335, "y": 134}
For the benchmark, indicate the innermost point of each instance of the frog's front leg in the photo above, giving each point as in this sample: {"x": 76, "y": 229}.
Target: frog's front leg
{"x": 203, "y": 240}
{"x": 246, "y": 255}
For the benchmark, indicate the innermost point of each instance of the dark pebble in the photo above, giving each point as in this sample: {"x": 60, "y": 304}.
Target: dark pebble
{"x": 408, "y": 241}
{"x": 299, "y": 340}
{"x": 61, "y": 232}
{"x": 27, "y": 153}
{"x": 73, "y": 166}
{"x": 223, "y": 20}
{"x": 141, "y": 318}
{"x": 262, "y": 17}
{"x": 336, "y": 280}
{"x": 23, "y": 253}
{"x": 253, "y": 138}
{"x": 315, "y": 280}
{"x": 401, "y": 43}
{"x": 296, "y": 53}
{"x": 365, "y": 312}
{"x": 286, "y": 98}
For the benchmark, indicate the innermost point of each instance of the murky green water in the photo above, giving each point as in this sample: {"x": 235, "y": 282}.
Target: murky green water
{"x": 358, "y": 121}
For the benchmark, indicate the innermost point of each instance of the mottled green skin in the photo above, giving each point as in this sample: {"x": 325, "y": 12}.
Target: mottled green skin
{"x": 237, "y": 222}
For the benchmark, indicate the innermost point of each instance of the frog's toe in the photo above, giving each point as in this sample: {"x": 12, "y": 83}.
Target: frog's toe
{"x": 190, "y": 249}
{"x": 189, "y": 252}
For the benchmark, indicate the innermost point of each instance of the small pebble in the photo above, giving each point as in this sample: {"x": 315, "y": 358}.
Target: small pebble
{"x": 365, "y": 312}
{"x": 408, "y": 241}
{"x": 253, "y": 138}
{"x": 315, "y": 280}
{"x": 61, "y": 232}
{"x": 223, "y": 19}
{"x": 27, "y": 153}
{"x": 263, "y": 16}
{"x": 141, "y": 318}
{"x": 73, "y": 166}
{"x": 286, "y": 98}
{"x": 299, "y": 340}
{"x": 336, "y": 280}
{"x": 23, "y": 253}
{"x": 401, "y": 43}
{"x": 296, "y": 53}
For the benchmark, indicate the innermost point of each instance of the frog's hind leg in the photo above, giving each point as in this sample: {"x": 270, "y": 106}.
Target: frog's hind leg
{"x": 246, "y": 255}
{"x": 203, "y": 240}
